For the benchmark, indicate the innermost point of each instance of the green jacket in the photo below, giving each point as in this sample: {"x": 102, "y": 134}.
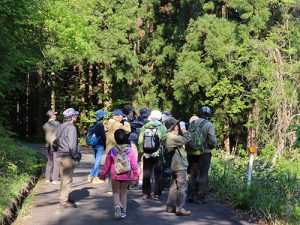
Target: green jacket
{"x": 161, "y": 130}
{"x": 177, "y": 143}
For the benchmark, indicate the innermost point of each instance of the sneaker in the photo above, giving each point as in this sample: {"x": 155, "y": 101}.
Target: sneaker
{"x": 55, "y": 182}
{"x": 123, "y": 215}
{"x": 117, "y": 212}
{"x": 90, "y": 179}
{"x": 146, "y": 197}
{"x": 156, "y": 197}
{"x": 68, "y": 204}
{"x": 48, "y": 181}
{"x": 183, "y": 212}
{"x": 96, "y": 180}
{"x": 109, "y": 193}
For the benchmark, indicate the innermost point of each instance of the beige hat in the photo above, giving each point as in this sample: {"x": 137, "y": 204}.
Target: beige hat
{"x": 193, "y": 118}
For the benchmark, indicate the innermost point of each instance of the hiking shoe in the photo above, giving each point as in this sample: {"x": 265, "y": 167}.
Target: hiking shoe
{"x": 145, "y": 197}
{"x": 55, "y": 182}
{"x": 68, "y": 204}
{"x": 183, "y": 212}
{"x": 117, "y": 212}
{"x": 72, "y": 201}
{"x": 123, "y": 215}
{"x": 171, "y": 210}
{"x": 156, "y": 197}
{"x": 134, "y": 185}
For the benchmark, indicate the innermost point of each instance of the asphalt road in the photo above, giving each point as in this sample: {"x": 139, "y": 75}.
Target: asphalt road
{"x": 95, "y": 206}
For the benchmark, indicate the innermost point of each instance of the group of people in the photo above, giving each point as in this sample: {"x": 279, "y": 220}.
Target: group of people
{"x": 130, "y": 144}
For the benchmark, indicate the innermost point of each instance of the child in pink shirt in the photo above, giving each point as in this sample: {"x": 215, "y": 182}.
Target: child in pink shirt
{"x": 120, "y": 180}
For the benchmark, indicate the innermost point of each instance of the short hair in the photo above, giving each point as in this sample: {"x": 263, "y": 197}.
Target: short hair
{"x": 121, "y": 136}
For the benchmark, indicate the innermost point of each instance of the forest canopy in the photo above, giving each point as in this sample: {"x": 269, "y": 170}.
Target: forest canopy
{"x": 239, "y": 57}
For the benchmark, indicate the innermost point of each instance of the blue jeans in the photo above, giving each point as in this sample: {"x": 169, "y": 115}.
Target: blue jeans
{"x": 98, "y": 151}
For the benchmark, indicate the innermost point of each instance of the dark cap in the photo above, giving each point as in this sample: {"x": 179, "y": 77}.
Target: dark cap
{"x": 51, "y": 113}
{"x": 144, "y": 112}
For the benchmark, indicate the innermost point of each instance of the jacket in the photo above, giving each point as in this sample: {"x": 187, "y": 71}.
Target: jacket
{"x": 177, "y": 143}
{"x": 111, "y": 127}
{"x": 110, "y": 166}
{"x": 68, "y": 143}
{"x": 49, "y": 129}
{"x": 161, "y": 130}
{"x": 100, "y": 132}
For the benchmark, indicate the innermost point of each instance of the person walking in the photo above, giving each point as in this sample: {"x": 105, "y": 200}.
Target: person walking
{"x": 149, "y": 142}
{"x": 113, "y": 124}
{"x": 52, "y": 168}
{"x": 200, "y": 157}
{"x": 119, "y": 156}
{"x": 67, "y": 154}
{"x": 175, "y": 143}
{"x": 99, "y": 148}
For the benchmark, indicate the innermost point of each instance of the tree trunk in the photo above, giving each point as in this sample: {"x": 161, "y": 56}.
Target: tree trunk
{"x": 39, "y": 104}
{"x": 107, "y": 89}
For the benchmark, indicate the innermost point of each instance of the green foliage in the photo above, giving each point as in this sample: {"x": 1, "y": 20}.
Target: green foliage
{"x": 274, "y": 190}
{"x": 17, "y": 165}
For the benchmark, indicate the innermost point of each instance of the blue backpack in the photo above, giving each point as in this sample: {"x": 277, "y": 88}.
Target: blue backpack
{"x": 91, "y": 138}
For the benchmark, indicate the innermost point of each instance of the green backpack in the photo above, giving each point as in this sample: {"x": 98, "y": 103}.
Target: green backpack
{"x": 196, "y": 137}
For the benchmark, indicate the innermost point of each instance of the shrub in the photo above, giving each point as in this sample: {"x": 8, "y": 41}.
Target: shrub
{"x": 274, "y": 192}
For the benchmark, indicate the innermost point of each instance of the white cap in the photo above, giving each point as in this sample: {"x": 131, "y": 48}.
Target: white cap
{"x": 155, "y": 115}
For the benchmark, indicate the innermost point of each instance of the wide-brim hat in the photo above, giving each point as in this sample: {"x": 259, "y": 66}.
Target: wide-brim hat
{"x": 128, "y": 108}
{"x": 170, "y": 123}
{"x": 100, "y": 114}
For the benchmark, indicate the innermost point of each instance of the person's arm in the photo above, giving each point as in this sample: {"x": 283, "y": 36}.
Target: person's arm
{"x": 162, "y": 130}
{"x": 72, "y": 141}
{"x": 107, "y": 165}
{"x": 134, "y": 166}
{"x": 174, "y": 141}
{"x": 211, "y": 136}
{"x": 141, "y": 138}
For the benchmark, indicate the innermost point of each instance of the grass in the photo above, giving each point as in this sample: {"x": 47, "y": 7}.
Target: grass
{"x": 17, "y": 165}
{"x": 274, "y": 194}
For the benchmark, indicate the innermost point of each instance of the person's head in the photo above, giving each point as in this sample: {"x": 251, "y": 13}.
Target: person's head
{"x": 193, "y": 118}
{"x": 121, "y": 136}
{"x": 70, "y": 115}
{"x": 144, "y": 113}
{"x": 172, "y": 125}
{"x": 118, "y": 115}
{"x": 155, "y": 115}
{"x": 51, "y": 114}
{"x": 165, "y": 115}
{"x": 205, "y": 112}
{"x": 100, "y": 114}
{"x": 129, "y": 111}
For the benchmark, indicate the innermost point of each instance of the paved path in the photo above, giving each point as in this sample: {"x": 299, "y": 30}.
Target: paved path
{"x": 95, "y": 206}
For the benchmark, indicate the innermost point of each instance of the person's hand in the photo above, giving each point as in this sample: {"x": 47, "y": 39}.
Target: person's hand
{"x": 78, "y": 158}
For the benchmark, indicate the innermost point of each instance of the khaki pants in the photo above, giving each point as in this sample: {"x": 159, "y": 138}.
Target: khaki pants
{"x": 177, "y": 193}
{"x": 66, "y": 169}
{"x": 119, "y": 189}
